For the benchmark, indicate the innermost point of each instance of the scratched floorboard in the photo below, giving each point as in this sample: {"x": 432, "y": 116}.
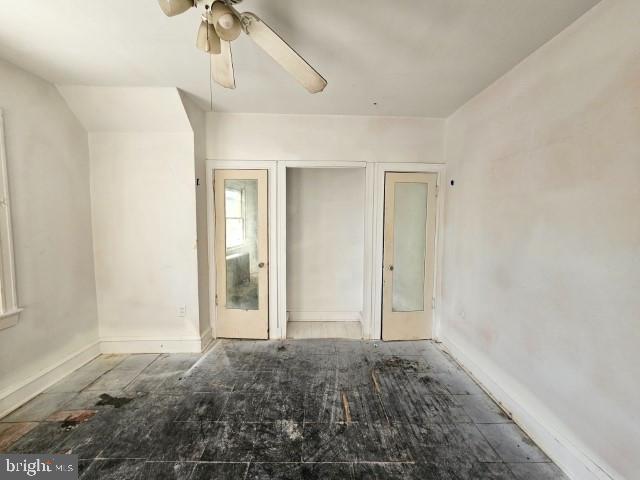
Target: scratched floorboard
{"x": 278, "y": 410}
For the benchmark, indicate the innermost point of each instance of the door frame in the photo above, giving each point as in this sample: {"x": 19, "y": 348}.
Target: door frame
{"x": 271, "y": 167}
{"x": 373, "y": 240}
{"x": 378, "y": 240}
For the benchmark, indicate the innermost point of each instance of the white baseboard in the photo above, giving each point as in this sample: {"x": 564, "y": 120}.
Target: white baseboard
{"x": 20, "y": 393}
{"x": 533, "y": 419}
{"x": 297, "y": 316}
{"x": 205, "y": 339}
{"x": 153, "y": 344}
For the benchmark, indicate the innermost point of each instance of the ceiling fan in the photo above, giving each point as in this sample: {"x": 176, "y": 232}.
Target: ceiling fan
{"x": 221, "y": 24}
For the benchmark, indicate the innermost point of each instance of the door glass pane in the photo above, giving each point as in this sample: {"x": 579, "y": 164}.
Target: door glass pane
{"x": 409, "y": 246}
{"x": 241, "y": 233}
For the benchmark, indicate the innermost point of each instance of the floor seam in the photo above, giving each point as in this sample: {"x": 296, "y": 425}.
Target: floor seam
{"x": 103, "y": 373}
{"x": 141, "y": 371}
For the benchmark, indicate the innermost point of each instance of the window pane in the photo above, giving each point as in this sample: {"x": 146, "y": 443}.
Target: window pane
{"x": 235, "y": 232}
{"x": 233, "y": 205}
{"x": 241, "y": 212}
{"x": 409, "y": 246}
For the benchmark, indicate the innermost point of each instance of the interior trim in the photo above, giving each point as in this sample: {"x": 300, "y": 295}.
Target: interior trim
{"x": 20, "y": 393}
{"x": 544, "y": 429}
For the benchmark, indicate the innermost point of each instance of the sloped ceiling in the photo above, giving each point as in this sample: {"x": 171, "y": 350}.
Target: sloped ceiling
{"x": 127, "y": 109}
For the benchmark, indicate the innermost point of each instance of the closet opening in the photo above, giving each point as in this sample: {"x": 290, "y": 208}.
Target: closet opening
{"x": 325, "y": 252}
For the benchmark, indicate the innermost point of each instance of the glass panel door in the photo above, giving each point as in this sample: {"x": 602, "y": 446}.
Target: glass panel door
{"x": 409, "y": 243}
{"x": 241, "y": 237}
{"x": 241, "y": 253}
{"x": 409, "y": 246}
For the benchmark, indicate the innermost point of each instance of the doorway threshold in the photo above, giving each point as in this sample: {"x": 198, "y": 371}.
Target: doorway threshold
{"x": 315, "y": 329}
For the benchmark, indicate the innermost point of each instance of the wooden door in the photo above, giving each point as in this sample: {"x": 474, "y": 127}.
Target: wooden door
{"x": 241, "y": 252}
{"x": 409, "y": 253}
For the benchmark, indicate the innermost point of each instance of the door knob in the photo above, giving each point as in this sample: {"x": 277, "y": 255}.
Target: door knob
{"x": 391, "y": 268}
{"x": 261, "y": 265}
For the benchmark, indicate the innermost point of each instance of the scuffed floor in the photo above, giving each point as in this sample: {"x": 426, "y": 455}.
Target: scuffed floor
{"x": 309, "y": 409}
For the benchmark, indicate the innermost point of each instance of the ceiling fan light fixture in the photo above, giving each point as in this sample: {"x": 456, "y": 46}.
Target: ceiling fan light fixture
{"x": 226, "y": 21}
{"x": 172, "y": 8}
{"x": 227, "y": 25}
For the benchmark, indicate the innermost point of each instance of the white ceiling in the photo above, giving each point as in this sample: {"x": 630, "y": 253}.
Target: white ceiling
{"x": 411, "y": 57}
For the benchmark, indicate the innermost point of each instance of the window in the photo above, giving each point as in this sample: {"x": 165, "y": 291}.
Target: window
{"x": 234, "y": 211}
{"x": 8, "y": 296}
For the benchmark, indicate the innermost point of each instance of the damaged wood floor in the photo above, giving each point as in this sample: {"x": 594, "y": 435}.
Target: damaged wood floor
{"x": 294, "y": 409}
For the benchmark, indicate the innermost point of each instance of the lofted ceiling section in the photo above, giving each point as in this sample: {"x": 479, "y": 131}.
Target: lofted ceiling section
{"x": 381, "y": 57}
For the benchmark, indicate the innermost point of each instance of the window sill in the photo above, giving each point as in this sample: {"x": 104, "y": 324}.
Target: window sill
{"x": 10, "y": 319}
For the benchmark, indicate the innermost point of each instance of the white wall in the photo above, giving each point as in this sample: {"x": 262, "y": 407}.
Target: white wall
{"x": 144, "y": 223}
{"x": 324, "y": 137}
{"x": 48, "y": 167}
{"x": 143, "y": 204}
{"x": 542, "y": 267}
{"x": 325, "y": 240}
{"x": 197, "y": 119}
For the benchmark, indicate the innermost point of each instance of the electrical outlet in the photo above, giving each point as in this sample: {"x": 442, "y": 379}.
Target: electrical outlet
{"x": 181, "y": 311}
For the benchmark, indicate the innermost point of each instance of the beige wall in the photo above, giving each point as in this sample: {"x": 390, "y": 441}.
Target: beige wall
{"x": 542, "y": 267}
{"x": 48, "y": 168}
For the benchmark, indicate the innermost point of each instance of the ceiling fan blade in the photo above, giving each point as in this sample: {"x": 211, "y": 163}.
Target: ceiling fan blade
{"x": 282, "y": 53}
{"x": 222, "y": 66}
{"x": 175, "y": 7}
{"x": 207, "y": 39}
